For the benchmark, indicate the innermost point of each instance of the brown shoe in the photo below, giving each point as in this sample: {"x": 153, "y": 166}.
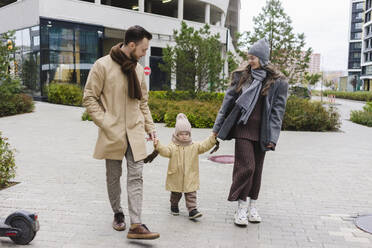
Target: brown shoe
{"x": 140, "y": 231}
{"x": 119, "y": 223}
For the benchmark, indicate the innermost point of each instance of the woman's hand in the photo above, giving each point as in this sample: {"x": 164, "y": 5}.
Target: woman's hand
{"x": 271, "y": 146}
{"x": 156, "y": 141}
{"x": 214, "y": 134}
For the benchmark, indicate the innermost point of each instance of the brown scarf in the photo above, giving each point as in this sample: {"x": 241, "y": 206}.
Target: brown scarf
{"x": 128, "y": 66}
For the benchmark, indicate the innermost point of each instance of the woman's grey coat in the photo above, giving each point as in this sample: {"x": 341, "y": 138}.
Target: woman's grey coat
{"x": 272, "y": 112}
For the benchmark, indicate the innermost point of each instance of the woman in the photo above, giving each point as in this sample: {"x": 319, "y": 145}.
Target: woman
{"x": 252, "y": 113}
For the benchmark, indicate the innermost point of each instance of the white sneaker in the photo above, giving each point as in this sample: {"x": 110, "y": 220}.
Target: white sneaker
{"x": 253, "y": 215}
{"x": 240, "y": 217}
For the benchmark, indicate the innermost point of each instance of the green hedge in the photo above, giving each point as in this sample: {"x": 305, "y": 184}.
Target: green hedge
{"x": 304, "y": 115}
{"x": 358, "y": 95}
{"x": 12, "y": 100}
{"x": 187, "y": 95}
{"x": 7, "y": 162}
{"x": 301, "y": 114}
{"x": 363, "y": 117}
{"x": 64, "y": 93}
{"x": 16, "y": 104}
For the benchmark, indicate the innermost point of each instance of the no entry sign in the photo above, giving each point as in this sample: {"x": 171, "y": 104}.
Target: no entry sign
{"x": 147, "y": 70}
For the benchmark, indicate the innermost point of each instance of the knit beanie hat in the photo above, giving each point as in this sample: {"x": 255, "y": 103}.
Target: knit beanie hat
{"x": 261, "y": 50}
{"x": 182, "y": 124}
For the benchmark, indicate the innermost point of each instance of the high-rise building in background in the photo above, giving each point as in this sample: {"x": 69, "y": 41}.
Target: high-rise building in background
{"x": 366, "y": 62}
{"x": 355, "y": 39}
{"x": 314, "y": 64}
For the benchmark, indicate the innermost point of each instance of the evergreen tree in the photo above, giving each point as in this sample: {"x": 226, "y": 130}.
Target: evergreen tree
{"x": 196, "y": 59}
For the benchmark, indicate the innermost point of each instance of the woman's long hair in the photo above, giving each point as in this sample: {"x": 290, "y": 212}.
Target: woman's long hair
{"x": 272, "y": 75}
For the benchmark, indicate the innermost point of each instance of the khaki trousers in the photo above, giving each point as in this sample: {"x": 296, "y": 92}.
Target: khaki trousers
{"x": 134, "y": 185}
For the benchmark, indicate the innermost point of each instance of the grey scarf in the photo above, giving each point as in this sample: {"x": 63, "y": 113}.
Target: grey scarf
{"x": 248, "y": 99}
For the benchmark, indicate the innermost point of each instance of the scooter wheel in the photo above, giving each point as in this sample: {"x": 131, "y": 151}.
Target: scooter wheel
{"x": 27, "y": 233}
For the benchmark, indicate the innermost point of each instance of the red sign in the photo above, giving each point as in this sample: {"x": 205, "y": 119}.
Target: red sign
{"x": 147, "y": 70}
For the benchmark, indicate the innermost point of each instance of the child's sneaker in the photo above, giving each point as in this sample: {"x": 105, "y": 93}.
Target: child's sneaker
{"x": 175, "y": 210}
{"x": 253, "y": 215}
{"x": 193, "y": 214}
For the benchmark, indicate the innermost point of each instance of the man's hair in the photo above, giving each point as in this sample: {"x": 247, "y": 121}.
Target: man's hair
{"x": 136, "y": 34}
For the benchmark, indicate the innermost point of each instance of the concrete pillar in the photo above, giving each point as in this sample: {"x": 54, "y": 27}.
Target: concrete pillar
{"x": 207, "y": 13}
{"x": 97, "y": 1}
{"x": 180, "y": 9}
{"x": 141, "y": 5}
{"x": 223, "y": 18}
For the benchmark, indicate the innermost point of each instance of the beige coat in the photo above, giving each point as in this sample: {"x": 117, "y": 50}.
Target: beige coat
{"x": 118, "y": 116}
{"x": 183, "y": 166}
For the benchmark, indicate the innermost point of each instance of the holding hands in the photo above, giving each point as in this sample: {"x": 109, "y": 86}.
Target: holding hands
{"x": 156, "y": 141}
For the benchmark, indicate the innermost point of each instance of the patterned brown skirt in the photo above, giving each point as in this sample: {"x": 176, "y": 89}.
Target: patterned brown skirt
{"x": 246, "y": 181}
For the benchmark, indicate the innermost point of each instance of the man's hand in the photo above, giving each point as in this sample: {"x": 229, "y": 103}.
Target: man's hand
{"x": 152, "y": 136}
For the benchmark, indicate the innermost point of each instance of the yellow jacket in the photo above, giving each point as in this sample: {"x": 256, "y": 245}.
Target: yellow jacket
{"x": 183, "y": 166}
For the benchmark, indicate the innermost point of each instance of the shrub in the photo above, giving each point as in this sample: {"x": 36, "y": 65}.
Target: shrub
{"x": 12, "y": 101}
{"x": 7, "y": 162}
{"x": 64, "y": 93}
{"x": 299, "y": 91}
{"x": 187, "y": 95}
{"x": 304, "y": 115}
{"x": 200, "y": 114}
{"x": 86, "y": 117}
{"x": 368, "y": 107}
{"x": 363, "y": 117}
{"x": 359, "y": 95}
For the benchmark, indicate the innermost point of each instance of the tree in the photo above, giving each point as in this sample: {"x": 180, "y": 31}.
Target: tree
{"x": 28, "y": 74}
{"x": 196, "y": 59}
{"x": 312, "y": 79}
{"x": 7, "y": 49}
{"x": 9, "y": 83}
{"x": 286, "y": 48}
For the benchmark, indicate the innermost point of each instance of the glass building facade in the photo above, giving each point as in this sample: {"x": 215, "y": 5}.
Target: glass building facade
{"x": 27, "y": 57}
{"x": 56, "y": 52}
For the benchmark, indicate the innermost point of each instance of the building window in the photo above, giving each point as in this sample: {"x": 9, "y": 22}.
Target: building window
{"x": 356, "y": 55}
{"x": 6, "y": 2}
{"x": 369, "y": 70}
{"x": 27, "y": 57}
{"x": 358, "y": 25}
{"x": 368, "y": 17}
{"x": 356, "y": 65}
{"x": 127, "y": 4}
{"x": 359, "y": 6}
{"x": 165, "y": 8}
{"x": 68, "y": 51}
{"x": 368, "y": 4}
{"x": 357, "y": 36}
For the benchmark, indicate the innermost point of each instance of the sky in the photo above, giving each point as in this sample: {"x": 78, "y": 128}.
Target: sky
{"x": 325, "y": 24}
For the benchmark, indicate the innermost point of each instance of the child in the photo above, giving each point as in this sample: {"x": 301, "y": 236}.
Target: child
{"x": 183, "y": 167}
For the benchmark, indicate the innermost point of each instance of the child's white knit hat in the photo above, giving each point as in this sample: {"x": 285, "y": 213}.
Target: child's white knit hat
{"x": 182, "y": 124}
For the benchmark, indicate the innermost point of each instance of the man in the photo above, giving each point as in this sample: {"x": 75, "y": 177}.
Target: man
{"x": 115, "y": 96}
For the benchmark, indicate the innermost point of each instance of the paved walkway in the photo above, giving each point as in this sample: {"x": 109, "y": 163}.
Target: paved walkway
{"x": 313, "y": 186}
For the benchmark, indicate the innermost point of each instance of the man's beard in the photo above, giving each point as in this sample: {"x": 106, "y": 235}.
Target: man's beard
{"x": 133, "y": 55}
